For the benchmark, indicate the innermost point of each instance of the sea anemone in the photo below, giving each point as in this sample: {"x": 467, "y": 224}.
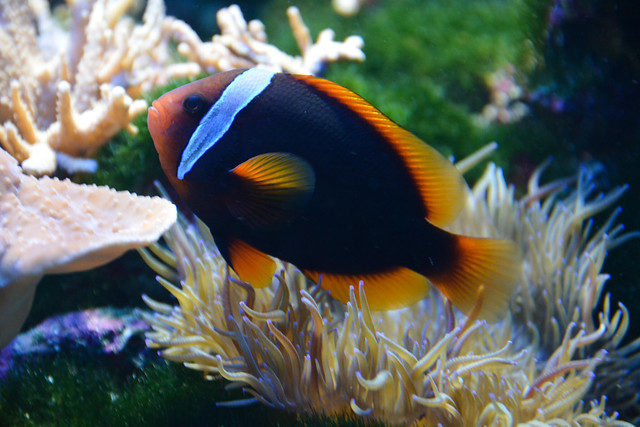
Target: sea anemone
{"x": 294, "y": 348}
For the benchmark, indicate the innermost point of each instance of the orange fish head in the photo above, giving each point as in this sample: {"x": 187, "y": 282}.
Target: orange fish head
{"x": 175, "y": 116}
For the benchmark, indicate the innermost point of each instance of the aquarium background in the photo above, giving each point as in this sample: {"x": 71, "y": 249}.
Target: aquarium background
{"x": 429, "y": 63}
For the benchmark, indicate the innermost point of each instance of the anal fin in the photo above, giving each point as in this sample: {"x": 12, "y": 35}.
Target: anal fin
{"x": 251, "y": 265}
{"x": 386, "y": 290}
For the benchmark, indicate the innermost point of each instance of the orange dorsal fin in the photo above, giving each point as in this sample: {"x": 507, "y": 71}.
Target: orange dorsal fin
{"x": 386, "y": 290}
{"x": 439, "y": 183}
{"x": 493, "y": 263}
{"x": 250, "y": 264}
{"x": 270, "y": 189}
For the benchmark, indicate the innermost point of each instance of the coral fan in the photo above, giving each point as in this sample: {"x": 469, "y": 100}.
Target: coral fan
{"x": 294, "y": 348}
{"x": 52, "y": 226}
{"x": 63, "y": 94}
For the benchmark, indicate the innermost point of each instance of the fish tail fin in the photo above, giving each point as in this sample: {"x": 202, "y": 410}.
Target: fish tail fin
{"x": 494, "y": 264}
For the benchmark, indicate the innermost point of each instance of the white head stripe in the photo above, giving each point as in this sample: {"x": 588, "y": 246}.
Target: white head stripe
{"x": 215, "y": 124}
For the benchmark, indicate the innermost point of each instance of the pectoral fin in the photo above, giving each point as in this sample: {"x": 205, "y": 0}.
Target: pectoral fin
{"x": 270, "y": 190}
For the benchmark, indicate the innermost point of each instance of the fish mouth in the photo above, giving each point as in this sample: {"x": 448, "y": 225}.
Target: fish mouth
{"x": 154, "y": 112}
{"x": 157, "y": 119}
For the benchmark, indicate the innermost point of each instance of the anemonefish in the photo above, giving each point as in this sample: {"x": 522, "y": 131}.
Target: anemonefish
{"x": 302, "y": 169}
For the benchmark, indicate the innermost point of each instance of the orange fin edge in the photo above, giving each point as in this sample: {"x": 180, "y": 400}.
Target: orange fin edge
{"x": 440, "y": 185}
{"x": 495, "y": 264}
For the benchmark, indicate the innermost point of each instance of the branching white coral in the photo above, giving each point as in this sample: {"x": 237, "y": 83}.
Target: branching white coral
{"x": 243, "y": 44}
{"x": 294, "y": 348}
{"x": 58, "y": 89}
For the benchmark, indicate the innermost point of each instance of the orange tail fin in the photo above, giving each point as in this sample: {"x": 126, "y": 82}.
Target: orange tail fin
{"x": 494, "y": 263}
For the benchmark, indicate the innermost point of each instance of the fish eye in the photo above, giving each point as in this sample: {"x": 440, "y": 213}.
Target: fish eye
{"x": 194, "y": 104}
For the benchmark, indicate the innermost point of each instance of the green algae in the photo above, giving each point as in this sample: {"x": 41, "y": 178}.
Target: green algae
{"x": 128, "y": 162}
{"x": 81, "y": 388}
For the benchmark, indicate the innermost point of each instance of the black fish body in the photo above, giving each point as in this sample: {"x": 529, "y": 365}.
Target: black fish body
{"x": 306, "y": 171}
